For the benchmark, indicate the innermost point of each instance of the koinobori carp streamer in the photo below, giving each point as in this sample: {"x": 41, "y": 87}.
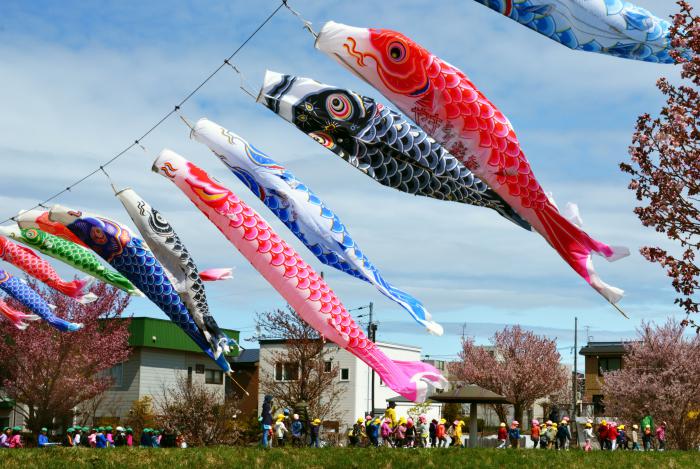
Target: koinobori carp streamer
{"x": 177, "y": 263}
{"x": 611, "y": 27}
{"x": 442, "y": 100}
{"x": 378, "y": 141}
{"x": 68, "y": 252}
{"x": 32, "y": 264}
{"x": 30, "y": 299}
{"x": 305, "y": 291}
{"x": 129, "y": 255}
{"x": 17, "y": 318}
{"x": 304, "y": 213}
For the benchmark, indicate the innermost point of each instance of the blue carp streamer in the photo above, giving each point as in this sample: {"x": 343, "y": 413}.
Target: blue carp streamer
{"x": 30, "y": 299}
{"x": 303, "y": 212}
{"x": 612, "y": 27}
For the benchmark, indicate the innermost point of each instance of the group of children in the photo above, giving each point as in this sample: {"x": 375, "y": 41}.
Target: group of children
{"x": 405, "y": 432}
{"x": 285, "y": 429}
{"x": 547, "y": 435}
{"x": 96, "y": 437}
{"x": 612, "y": 436}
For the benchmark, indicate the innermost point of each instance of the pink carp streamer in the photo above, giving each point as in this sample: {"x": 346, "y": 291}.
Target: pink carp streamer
{"x": 17, "y": 318}
{"x": 214, "y": 275}
{"x": 442, "y": 100}
{"x": 27, "y": 260}
{"x": 305, "y": 291}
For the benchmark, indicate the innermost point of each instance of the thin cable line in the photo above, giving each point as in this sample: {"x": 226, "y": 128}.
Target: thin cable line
{"x": 175, "y": 109}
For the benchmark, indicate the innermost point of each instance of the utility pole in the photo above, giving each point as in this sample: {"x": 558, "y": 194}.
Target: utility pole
{"x": 575, "y": 376}
{"x": 372, "y": 334}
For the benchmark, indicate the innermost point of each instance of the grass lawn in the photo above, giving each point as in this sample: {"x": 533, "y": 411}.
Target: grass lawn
{"x": 326, "y": 458}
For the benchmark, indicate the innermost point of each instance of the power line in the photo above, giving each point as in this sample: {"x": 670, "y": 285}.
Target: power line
{"x": 176, "y": 108}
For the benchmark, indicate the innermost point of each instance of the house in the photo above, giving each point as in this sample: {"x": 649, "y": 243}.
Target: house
{"x": 160, "y": 354}
{"x": 354, "y": 376}
{"x": 599, "y": 358}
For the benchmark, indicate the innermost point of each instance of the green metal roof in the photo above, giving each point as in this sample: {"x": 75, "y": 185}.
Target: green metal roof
{"x": 162, "y": 333}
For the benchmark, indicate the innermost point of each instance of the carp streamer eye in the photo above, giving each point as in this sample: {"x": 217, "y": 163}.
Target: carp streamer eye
{"x": 98, "y": 235}
{"x": 397, "y": 51}
{"x": 339, "y": 106}
{"x": 324, "y": 139}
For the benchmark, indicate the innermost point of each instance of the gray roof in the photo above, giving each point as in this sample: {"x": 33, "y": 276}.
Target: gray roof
{"x": 469, "y": 393}
{"x": 603, "y": 348}
{"x": 249, "y": 355}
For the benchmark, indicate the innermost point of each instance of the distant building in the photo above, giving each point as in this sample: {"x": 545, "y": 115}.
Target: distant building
{"x": 354, "y": 376}
{"x": 161, "y": 353}
{"x": 600, "y": 357}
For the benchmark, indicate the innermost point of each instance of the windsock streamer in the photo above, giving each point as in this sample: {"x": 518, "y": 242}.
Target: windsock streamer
{"x": 30, "y": 299}
{"x": 66, "y": 251}
{"x": 177, "y": 264}
{"x": 612, "y": 27}
{"x": 304, "y": 290}
{"x": 129, "y": 255}
{"x": 304, "y": 213}
{"x": 17, "y": 318}
{"x": 28, "y": 261}
{"x": 378, "y": 141}
{"x": 442, "y": 100}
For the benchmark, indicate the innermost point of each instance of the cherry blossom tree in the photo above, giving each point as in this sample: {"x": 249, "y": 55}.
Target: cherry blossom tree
{"x": 660, "y": 376}
{"x": 665, "y": 166}
{"x": 51, "y": 372}
{"x": 520, "y": 365}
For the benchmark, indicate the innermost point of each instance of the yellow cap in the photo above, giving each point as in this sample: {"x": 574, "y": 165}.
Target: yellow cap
{"x": 603, "y": 422}
{"x": 280, "y": 416}
{"x": 360, "y": 420}
{"x": 621, "y": 427}
{"x": 317, "y": 421}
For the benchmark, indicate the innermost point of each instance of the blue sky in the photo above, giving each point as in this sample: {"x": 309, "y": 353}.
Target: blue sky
{"x": 82, "y": 79}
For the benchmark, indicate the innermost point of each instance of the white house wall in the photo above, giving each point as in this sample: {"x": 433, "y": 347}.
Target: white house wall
{"x": 356, "y": 400}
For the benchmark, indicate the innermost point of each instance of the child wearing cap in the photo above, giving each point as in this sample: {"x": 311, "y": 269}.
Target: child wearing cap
{"x": 646, "y": 438}
{"x": 386, "y": 432}
{"x": 100, "y": 439}
{"x": 109, "y": 436}
{"x": 92, "y": 438}
{"x": 129, "y": 437}
{"x": 514, "y": 434}
{"x": 535, "y": 433}
{"x": 280, "y": 430}
{"x": 16, "y": 439}
{"x": 315, "y": 433}
{"x": 440, "y": 433}
{"x": 373, "y": 434}
{"x": 502, "y": 435}
{"x": 588, "y": 435}
{"x": 68, "y": 438}
{"x": 297, "y": 429}
{"x": 43, "y": 438}
{"x": 635, "y": 437}
{"x": 5, "y": 437}
{"x": 661, "y": 436}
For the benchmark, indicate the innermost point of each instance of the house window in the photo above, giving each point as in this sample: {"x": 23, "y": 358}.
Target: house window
{"x": 598, "y": 407}
{"x": 327, "y": 366}
{"x": 608, "y": 364}
{"x": 117, "y": 375}
{"x": 213, "y": 377}
{"x": 345, "y": 374}
{"x": 286, "y": 371}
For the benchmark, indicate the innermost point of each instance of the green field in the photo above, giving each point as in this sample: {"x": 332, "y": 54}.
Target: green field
{"x": 233, "y": 457}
